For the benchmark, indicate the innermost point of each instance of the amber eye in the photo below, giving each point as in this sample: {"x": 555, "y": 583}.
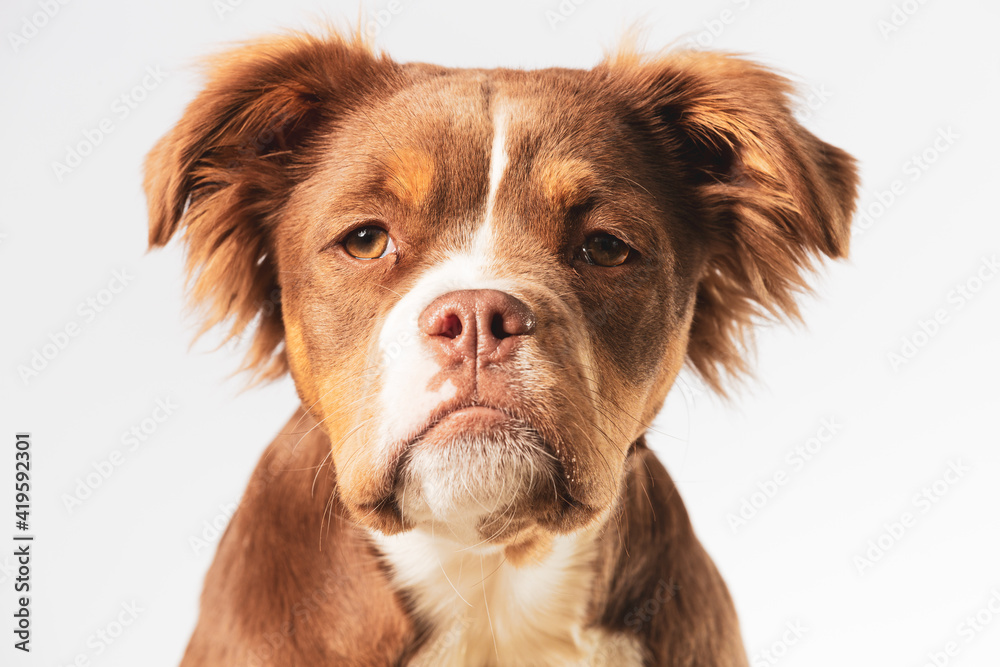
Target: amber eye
{"x": 368, "y": 242}
{"x": 605, "y": 250}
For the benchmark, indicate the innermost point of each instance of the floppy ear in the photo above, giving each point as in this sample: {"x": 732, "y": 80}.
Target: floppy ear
{"x": 769, "y": 196}
{"x": 224, "y": 172}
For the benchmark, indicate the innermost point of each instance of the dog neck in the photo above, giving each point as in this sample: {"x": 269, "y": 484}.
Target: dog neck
{"x": 484, "y": 607}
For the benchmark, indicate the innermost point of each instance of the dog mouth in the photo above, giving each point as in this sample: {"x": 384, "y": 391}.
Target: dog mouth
{"x": 463, "y": 421}
{"x": 478, "y": 471}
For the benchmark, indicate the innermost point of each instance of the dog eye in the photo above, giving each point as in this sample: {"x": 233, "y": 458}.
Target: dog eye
{"x": 605, "y": 250}
{"x": 368, "y": 242}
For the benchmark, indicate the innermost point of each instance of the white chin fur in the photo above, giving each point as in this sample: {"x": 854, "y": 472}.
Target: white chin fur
{"x": 467, "y": 489}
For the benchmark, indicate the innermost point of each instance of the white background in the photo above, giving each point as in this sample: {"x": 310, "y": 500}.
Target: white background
{"x": 883, "y": 97}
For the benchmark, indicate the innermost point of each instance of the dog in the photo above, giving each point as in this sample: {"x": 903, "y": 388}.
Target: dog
{"x": 483, "y": 283}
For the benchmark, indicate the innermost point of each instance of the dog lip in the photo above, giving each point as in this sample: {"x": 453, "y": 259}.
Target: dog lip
{"x": 446, "y": 412}
{"x": 473, "y": 410}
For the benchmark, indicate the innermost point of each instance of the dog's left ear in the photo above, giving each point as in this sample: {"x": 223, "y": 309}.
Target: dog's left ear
{"x": 769, "y": 197}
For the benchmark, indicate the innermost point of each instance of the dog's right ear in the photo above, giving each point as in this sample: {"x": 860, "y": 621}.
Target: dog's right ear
{"x": 225, "y": 170}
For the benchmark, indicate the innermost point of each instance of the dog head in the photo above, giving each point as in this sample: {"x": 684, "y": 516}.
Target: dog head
{"x": 484, "y": 282}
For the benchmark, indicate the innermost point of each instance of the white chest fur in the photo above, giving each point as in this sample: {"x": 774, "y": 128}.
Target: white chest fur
{"x": 483, "y": 611}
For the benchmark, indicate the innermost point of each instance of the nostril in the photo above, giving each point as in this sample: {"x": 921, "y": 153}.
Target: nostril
{"x": 451, "y": 326}
{"x": 498, "y": 327}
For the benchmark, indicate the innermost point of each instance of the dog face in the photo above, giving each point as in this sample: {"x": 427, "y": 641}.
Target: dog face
{"x": 487, "y": 306}
{"x": 485, "y": 282}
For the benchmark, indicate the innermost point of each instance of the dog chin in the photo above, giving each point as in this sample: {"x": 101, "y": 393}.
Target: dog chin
{"x": 479, "y": 478}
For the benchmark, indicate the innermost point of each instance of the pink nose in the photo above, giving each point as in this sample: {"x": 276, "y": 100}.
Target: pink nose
{"x": 479, "y": 324}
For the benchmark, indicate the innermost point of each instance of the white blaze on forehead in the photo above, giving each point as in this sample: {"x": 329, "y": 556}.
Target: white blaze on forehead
{"x": 484, "y": 240}
{"x": 498, "y": 159}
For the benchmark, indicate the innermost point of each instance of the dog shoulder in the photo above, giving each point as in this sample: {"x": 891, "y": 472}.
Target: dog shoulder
{"x": 656, "y": 579}
{"x": 294, "y": 581}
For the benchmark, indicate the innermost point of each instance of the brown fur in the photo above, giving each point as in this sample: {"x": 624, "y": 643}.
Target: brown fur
{"x": 228, "y": 166}
{"x": 694, "y": 159}
{"x": 657, "y": 580}
{"x": 771, "y": 195}
{"x": 294, "y": 582}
